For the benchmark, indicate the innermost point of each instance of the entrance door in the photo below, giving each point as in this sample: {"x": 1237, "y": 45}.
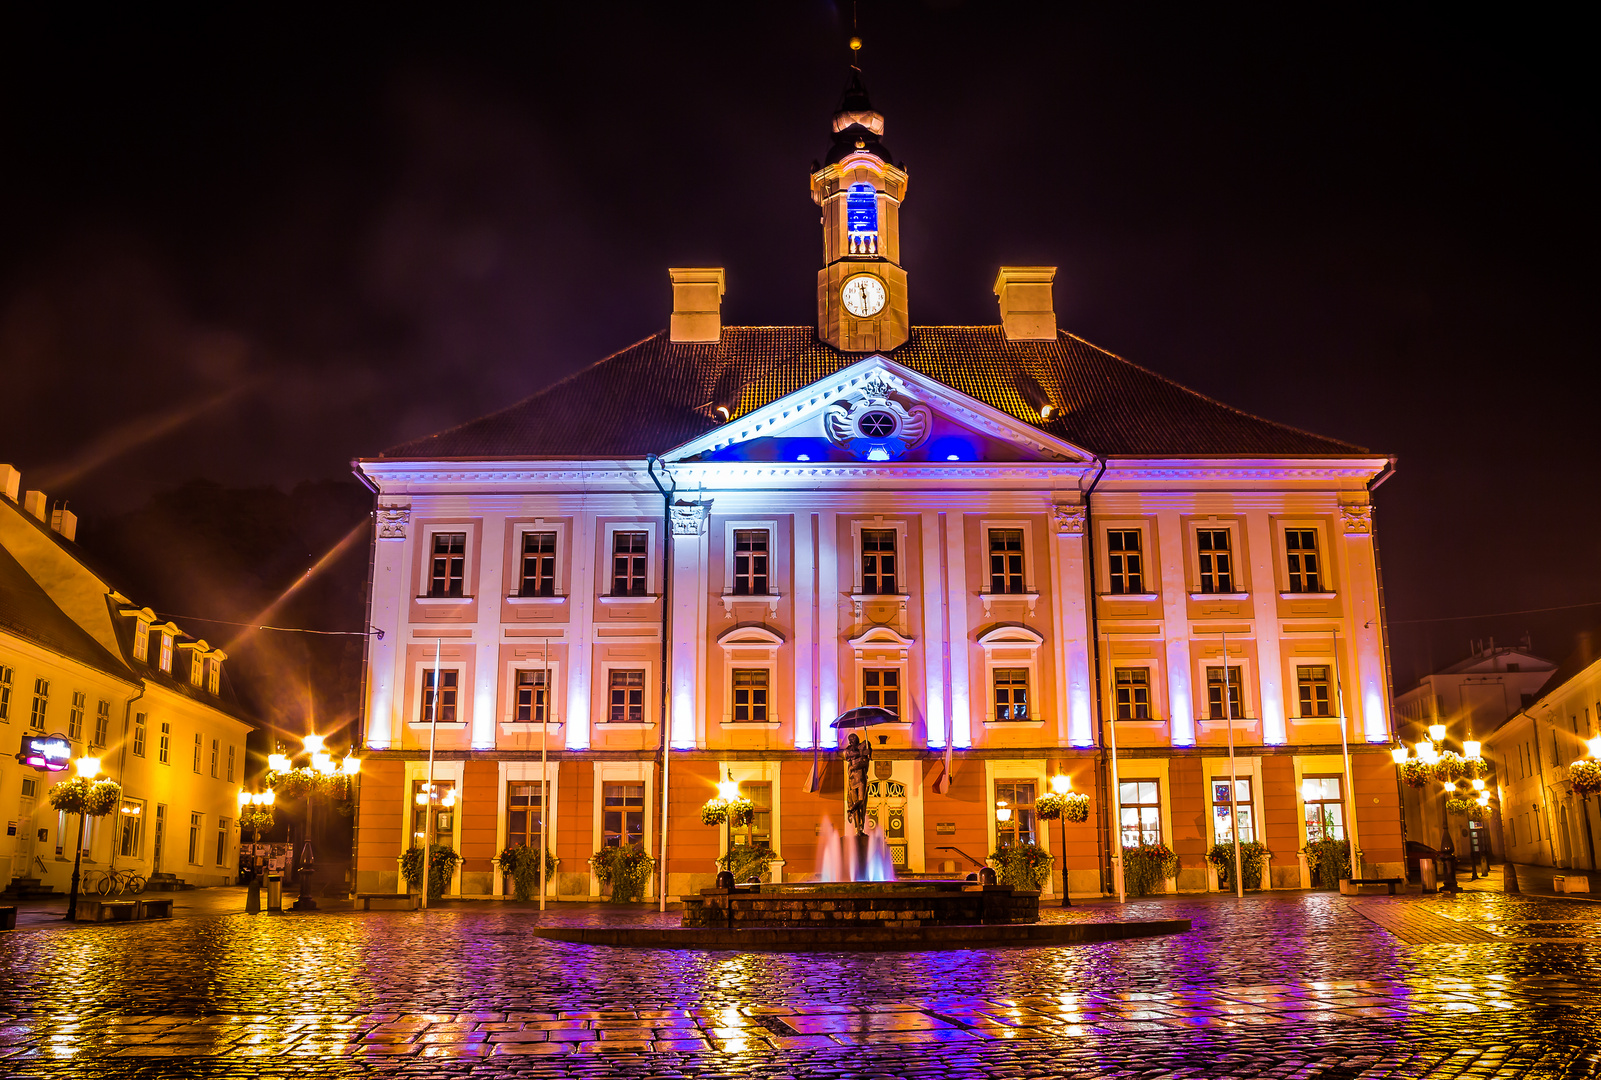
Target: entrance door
{"x": 159, "y": 844}
{"x": 22, "y": 866}
{"x": 886, "y": 809}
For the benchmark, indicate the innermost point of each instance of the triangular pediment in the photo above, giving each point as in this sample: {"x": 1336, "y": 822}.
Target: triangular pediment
{"x": 878, "y": 411}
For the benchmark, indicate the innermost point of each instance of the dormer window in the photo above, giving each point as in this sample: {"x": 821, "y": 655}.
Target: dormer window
{"x": 141, "y": 641}
{"x": 214, "y": 675}
{"x": 196, "y": 669}
{"x": 166, "y": 652}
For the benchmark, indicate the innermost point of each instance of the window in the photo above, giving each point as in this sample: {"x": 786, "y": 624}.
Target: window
{"x": 523, "y": 810}
{"x": 881, "y": 687}
{"x": 750, "y": 695}
{"x": 1217, "y": 563}
{"x": 214, "y": 755}
{"x": 197, "y": 668}
{"x": 166, "y": 653}
{"x": 1011, "y": 693}
{"x": 758, "y": 833}
{"x": 444, "y": 808}
{"x": 623, "y": 814}
{"x": 141, "y": 641}
{"x": 230, "y": 764}
{"x": 1313, "y": 684}
{"x": 1006, "y": 560}
{"x": 531, "y": 697}
{"x": 1223, "y": 812}
{"x": 6, "y": 675}
{"x": 1214, "y": 694}
{"x": 1133, "y": 688}
{"x": 41, "y": 702}
{"x": 629, "y": 550}
{"x": 1325, "y": 807}
{"x": 878, "y": 562}
{"x": 198, "y": 743}
{"x": 1016, "y": 796}
{"x": 139, "y": 734}
{"x": 750, "y": 562}
{"x": 447, "y": 695}
{"x": 1300, "y": 545}
{"x": 447, "y": 568}
{"x": 1140, "y": 811}
{"x": 164, "y": 748}
{"x": 627, "y": 696}
{"x": 130, "y": 837}
{"x": 195, "y": 823}
{"x": 63, "y": 833}
{"x": 102, "y": 723}
{"x": 1123, "y": 562}
{"x": 214, "y": 676}
{"x": 539, "y": 565}
{"x": 222, "y": 841}
{"x": 80, "y": 702}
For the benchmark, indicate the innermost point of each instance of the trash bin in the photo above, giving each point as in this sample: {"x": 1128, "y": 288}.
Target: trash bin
{"x": 1426, "y": 873}
{"x": 275, "y": 892}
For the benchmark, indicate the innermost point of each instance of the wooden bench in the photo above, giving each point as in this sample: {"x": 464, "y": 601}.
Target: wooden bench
{"x": 387, "y": 901}
{"x": 154, "y": 909}
{"x": 8, "y": 917}
{"x": 107, "y": 910}
{"x": 1369, "y": 886}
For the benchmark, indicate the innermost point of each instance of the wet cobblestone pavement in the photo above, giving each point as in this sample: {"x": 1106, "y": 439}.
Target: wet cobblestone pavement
{"x": 1290, "y": 986}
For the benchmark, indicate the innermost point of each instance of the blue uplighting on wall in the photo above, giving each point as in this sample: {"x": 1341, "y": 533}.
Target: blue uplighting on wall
{"x": 952, "y": 448}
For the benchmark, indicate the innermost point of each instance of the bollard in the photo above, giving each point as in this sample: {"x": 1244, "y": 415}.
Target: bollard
{"x": 1509, "y": 878}
{"x": 253, "y": 896}
{"x": 1426, "y": 875}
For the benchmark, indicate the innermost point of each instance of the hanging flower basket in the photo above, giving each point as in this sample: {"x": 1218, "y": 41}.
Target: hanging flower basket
{"x": 1450, "y": 767}
{"x": 1468, "y": 808}
{"x": 81, "y": 796}
{"x": 740, "y": 812}
{"x": 1474, "y": 768}
{"x": 1585, "y": 775}
{"x": 256, "y": 817}
{"x": 1415, "y": 774}
{"x": 1077, "y": 806}
{"x": 714, "y": 812}
{"x": 1049, "y": 806}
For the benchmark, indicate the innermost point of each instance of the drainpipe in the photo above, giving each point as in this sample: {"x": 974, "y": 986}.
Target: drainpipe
{"x": 651, "y": 461}
{"x": 122, "y": 761}
{"x": 1095, "y": 657}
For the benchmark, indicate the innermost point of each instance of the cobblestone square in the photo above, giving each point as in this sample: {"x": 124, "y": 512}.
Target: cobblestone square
{"x": 1289, "y": 986}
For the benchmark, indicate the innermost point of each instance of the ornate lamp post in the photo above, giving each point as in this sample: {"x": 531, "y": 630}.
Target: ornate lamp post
{"x": 322, "y": 777}
{"x": 88, "y": 795}
{"x": 1065, "y": 803}
{"x": 1585, "y": 776}
{"x": 1463, "y": 789}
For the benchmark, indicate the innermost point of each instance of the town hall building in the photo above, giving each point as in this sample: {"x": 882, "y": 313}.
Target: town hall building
{"x": 682, "y": 564}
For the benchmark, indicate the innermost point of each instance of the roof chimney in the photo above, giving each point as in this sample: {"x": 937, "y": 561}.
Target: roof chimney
{"x": 697, "y": 304}
{"x": 35, "y": 504}
{"x": 1027, "y": 313}
{"x": 10, "y": 481}
{"x": 64, "y": 521}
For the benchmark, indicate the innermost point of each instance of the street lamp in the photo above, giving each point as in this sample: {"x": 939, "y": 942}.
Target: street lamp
{"x": 1432, "y": 762}
{"x": 88, "y": 769}
{"x": 1585, "y": 777}
{"x": 1061, "y": 785}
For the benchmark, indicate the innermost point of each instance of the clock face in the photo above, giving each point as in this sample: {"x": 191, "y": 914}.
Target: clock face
{"x": 863, "y": 295}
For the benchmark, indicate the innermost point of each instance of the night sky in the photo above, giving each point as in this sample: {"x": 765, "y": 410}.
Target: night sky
{"x": 251, "y": 246}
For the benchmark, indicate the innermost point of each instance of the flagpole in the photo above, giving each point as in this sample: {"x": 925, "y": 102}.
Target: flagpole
{"x": 544, "y": 782}
{"x": 1345, "y": 751}
{"x": 428, "y": 813}
{"x": 1117, "y": 806}
{"x": 1234, "y": 776}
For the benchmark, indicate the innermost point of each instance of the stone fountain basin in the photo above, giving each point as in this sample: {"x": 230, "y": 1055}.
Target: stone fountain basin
{"x": 879, "y": 904}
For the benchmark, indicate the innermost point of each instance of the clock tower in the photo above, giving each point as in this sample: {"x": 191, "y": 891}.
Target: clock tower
{"x": 861, "y": 289}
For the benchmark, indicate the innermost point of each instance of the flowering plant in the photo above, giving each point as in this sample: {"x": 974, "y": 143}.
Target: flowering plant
{"x": 1049, "y": 806}
{"x": 256, "y": 817}
{"x": 1469, "y": 808}
{"x": 1074, "y": 806}
{"x": 1450, "y": 767}
{"x": 97, "y": 798}
{"x": 1253, "y": 854}
{"x": 1023, "y": 866}
{"x": 1585, "y": 775}
{"x": 1473, "y": 768}
{"x": 1415, "y": 774}
{"x": 1148, "y": 865}
{"x": 713, "y": 812}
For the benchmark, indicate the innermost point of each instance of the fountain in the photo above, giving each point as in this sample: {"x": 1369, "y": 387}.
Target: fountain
{"x": 863, "y": 857}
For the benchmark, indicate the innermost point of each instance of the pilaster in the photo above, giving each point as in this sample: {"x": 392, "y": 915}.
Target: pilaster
{"x": 935, "y": 629}
{"x": 961, "y": 658}
{"x": 1176, "y": 627}
{"x": 581, "y": 628}
{"x": 1360, "y": 580}
{"x": 1075, "y": 683}
{"x": 803, "y": 571}
{"x": 486, "y": 637}
{"x": 385, "y": 654}
{"x": 1264, "y": 606}
{"x": 688, "y": 624}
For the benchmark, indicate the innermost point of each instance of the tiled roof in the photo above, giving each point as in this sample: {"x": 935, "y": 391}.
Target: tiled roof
{"x": 27, "y": 611}
{"x": 655, "y": 395}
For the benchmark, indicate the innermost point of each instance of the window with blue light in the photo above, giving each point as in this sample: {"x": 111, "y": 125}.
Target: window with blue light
{"x": 861, "y": 219}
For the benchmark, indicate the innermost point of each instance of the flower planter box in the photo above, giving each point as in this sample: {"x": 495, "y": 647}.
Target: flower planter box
{"x": 1567, "y": 883}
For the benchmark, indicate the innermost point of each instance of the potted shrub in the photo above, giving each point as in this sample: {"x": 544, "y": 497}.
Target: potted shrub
{"x": 1253, "y": 854}
{"x": 521, "y": 864}
{"x": 624, "y": 870}
{"x": 442, "y": 863}
{"x": 1147, "y": 867}
{"x": 1022, "y": 866}
{"x": 1328, "y": 861}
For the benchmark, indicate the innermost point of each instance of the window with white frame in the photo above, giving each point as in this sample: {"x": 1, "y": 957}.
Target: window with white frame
{"x": 1015, "y": 819}
{"x": 1140, "y": 812}
{"x": 102, "y": 723}
{"x": 1214, "y": 694}
{"x": 750, "y": 562}
{"x": 881, "y": 688}
{"x": 537, "y": 573}
{"x": 1006, "y": 561}
{"x": 166, "y": 652}
{"x": 230, "y": 764}
{"x": 443, "y": 807}
{"x": 164, "y": 747}
{"x": 1133, "y": 690}
{"x": 197, "y": 668}
{"x": 41, "y": 703}
{"x": 1302, "y": 564}
{"x": 1324, "y": 799}
{"x": 80, "y": 702}
{"x": 627, "y": 687}
{"x": 758, "y": 831}
{"x": 446, "y": 694}
{"x": 524, "y": 808}
{"x": 532, "y": 699}
{"x": 141, "y": 640}
{"x": 196, "y": 821}
{"x": 1011, "y": 693}
{"x": 630, "y": 557}
{"x": 214, "y": 675}
{"x": 139, "y": 734}
{"x": 131, "y": 831}
{"x": 222, "y": 841}
{"x": 1216, "y": 560}
{"x": 750, "y": 695}
{"x": 622, "y": 814}
{"x": 215, "y": 748}
{"x": 1125, "y": 565}
{"x": 447, "y": 564}
{"x": 878, "y": 562}
{"x": 199, "y": 745}
{"x": 1223, "y": 810}
{"x": 1312, "y": 687}
{"x": 6, "y": 675}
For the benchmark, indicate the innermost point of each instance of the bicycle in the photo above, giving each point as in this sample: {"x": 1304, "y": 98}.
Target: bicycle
{"x": 115, "y": 882}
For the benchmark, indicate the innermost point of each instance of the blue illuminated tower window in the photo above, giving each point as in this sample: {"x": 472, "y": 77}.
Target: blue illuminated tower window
{"x": 861, "y": 219}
